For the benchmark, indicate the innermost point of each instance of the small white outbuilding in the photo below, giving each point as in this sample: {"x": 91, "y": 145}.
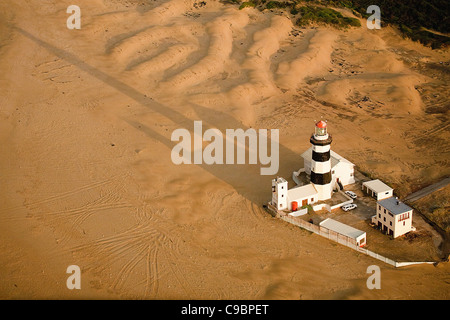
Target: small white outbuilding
{"x": 357, "y": 235}
{"x": 377, "y": 189}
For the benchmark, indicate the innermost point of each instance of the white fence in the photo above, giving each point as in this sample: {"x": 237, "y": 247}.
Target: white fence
{"x": 344, "y": 240}
{"x": 298, "y": 213}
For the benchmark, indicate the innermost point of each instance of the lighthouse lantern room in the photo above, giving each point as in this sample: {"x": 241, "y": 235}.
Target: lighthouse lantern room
{"x": 321, "y": 129}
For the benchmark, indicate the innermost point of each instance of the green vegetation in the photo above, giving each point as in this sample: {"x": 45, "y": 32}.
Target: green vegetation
{"x": 413, "y": 18}
{"x": 425, "y": 37}
{"x": 425, "y": 21}
{"x": 277, "y": 4}
{"x": 246, "y": 4}
{"x": 310, "y": 209}
{"x": 310, "y": 14}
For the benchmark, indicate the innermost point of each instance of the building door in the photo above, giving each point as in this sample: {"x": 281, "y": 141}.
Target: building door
{"x": 304, "y": 202}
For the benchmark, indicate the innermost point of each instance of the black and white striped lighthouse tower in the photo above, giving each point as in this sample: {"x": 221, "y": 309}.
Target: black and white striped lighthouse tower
{"x": 321, "y": 161}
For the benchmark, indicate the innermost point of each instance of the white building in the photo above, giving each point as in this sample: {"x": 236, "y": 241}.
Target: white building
{"x": 342, "y": 170}
{"x": 377, "y": 189}
{"x": 393, "y": 217}
{"x": 340, "y": 228}
{"x": 283, "y": 198}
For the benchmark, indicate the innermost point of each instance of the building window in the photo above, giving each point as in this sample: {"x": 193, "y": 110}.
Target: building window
{"x": 312, "y": 199}
{"x": 390, "y": 222}
{"x": 379, "y": 215}
{"x": 282, "y": 195}
{"x": 403, "y": 216}
{"x": 379, "y": 207}
{"x": 384, "y": 219}
{"x": 384, "y": 210}
{"x": 403, "y": 222}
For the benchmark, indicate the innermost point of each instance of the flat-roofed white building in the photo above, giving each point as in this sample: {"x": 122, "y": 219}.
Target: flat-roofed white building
{"x": 393, "y": 217}
{"x": 345, "y": 230}
{"x": 377, "y": 189}
{"x": 303, "y": 195}
{"x": 282, "y": 197}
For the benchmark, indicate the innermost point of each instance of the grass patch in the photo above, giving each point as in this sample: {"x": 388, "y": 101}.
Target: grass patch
{"x": 310, "y": 209}
{"x": 425, "y": 37}
{"x": 311, "y": 14}
{"x": 277, "y": 4}
{"x": 247, "y": 4}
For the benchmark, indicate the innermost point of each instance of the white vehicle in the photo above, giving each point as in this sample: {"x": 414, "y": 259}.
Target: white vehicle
{"x": 349, "y": 207}
{"x": 351, "y": 194}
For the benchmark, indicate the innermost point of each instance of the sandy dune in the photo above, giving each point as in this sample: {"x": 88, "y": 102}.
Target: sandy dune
{"x": 86, "y": 178}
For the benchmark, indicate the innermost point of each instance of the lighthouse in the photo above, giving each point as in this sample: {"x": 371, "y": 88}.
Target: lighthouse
{"x": 321, "y": 161}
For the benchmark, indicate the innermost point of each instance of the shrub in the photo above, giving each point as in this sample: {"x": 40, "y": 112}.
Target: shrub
{"x": 276, "y": 4}
{"x": 246, "y": 4}
{"x": 311, "y": 14}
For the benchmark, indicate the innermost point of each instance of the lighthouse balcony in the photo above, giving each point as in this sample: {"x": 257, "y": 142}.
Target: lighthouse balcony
{"x": 318, "y": 142}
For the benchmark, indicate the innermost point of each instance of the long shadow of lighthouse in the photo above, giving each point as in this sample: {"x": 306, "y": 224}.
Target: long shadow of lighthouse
{"x": 241, "y": 177}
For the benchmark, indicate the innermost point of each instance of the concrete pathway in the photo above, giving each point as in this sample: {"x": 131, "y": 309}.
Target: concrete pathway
{"x": 427, "y": 190}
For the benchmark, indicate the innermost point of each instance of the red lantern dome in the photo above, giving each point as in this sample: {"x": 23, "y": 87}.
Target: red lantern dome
{"x": 321, "y": 129}
{"x": 321, "y": 124}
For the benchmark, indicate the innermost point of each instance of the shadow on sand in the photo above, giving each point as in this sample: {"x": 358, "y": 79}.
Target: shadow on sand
{"x": 241, "y": 177}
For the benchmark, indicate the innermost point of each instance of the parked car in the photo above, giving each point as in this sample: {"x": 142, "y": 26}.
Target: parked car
{"x": 349, "y": 207}
{"x": 351, "y": 194}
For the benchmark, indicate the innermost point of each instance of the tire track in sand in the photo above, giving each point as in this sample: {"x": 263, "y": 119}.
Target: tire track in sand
{"x": 60, "y": 196}
{"x": 140, "y": 245}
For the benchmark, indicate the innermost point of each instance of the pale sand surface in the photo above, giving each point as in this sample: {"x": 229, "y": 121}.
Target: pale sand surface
{"x": 86, "y": 176}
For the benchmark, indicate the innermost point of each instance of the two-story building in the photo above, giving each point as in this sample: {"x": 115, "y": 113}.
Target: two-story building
{"x": 393, "y": 217}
